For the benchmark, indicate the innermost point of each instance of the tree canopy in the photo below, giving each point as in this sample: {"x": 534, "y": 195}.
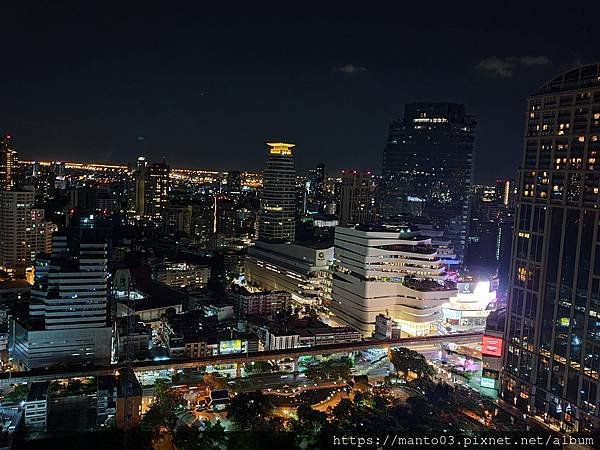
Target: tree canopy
{"x": 330, "y": 369}
{"x": 411, "y": 364}
{"x": 161, "y": 416}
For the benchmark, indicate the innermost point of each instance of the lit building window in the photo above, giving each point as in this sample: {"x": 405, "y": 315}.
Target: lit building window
{"x": 523, "y": 274}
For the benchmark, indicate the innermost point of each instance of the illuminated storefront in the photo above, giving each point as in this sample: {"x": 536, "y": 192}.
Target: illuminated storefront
{"x": 471, "y": 306}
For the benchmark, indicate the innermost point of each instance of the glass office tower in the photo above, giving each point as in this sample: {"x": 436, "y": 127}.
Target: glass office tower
{"x": 552, "y": 348}
{"x": 428, "y": 167}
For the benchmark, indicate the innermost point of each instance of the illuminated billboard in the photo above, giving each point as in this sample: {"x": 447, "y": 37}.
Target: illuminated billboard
{"x": 232, "y": 346}
{"x": 488, "y": 383}
{"x": 491, "y": 346}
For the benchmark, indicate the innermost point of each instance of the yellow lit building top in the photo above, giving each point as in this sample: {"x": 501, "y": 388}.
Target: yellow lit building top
{"x": 280, "y": 148}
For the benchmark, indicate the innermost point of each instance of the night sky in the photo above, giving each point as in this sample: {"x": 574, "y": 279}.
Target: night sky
{"x": 207, "y": 88}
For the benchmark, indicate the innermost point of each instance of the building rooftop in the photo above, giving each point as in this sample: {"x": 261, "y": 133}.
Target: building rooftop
{"x": 135, "y": 389}
{"x": 106, "y": 382}
{"x": 38, "y": 391}
{"x": 220, "y": 396}
{"x": 158, "y": 295}
{"x": 315, "y": 245}
{"x": 138, "y": 324}
{"x": 14, "y": 284}
{"x": 241, "y": 290}
{"x": 257, "y": 320}
{"x": 381, "y": 228}
{"x": 576, "y": 78}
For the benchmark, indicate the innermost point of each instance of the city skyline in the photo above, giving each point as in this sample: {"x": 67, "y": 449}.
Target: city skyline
{"x": 200, "y": 82}
{"x": 287, "y": 227}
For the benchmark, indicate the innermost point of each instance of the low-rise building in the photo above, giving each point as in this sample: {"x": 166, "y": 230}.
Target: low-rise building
{"x": 325, "y": 335}
{"x": 106, "y": 399}
{"x": 230, "y": 261}
{"x": 192, "y": 345}
{"x": 158, "y": 298}
{"x": 151, "y": 298}
{"x": 12, "y": 292}
{"x": 492, "y": 346}
{"x": 129, "y": 400}
{"x": 281, "y": 339}
{"x": 220, "y": 311}
{"x": 11, "y": 424}
{"x": 36, "y": 406}
{"x": 309, "y": 332}
{"x": 133, "y": 335}
{"x": 386, "y": 328}
{"x": 194, "y": 335}
{"x": 268, "y": 304}
{"x": 182, "y": 275}
{"x": 186, "y": 334}
{"x": 303, "y": 269}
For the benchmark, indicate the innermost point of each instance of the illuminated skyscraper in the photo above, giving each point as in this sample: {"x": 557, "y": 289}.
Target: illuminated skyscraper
{"x": 8, "y": 163}
{"x": 552, "y": 349}
{"x": 140, "y": 175}
{"x": 427, "y": 167}
{"x": 277, "y": 207}
{"x": 506, "y": 193}
{"x": 157, "y": 189}
{"x": 152, "y": 186}
{"x": 234, "y": 181}
{"x": 315, "y": 187}
{"x": 24, "y": 232}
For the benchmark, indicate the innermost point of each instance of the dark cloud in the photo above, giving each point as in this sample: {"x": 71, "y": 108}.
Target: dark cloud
{"x": 350, "y": 69}
{"x": 505, "y": 67}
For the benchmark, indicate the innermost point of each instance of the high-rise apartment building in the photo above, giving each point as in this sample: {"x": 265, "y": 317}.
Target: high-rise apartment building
{"x": 225, "y": 222}
{"x": 68, "y": 319}
{"x": 24, "y": 232}
{"x": 157, "y": 189}
{"x": 277, "y": 207}
{"x": 506, "y": 193}
{"x": 177, "y": 220}
{"x": 8, "y": 163}
{"x": 427, "y": 167}
{"x": 506, "y": 199}
{"x": 551, "y": 365}
{"x": 152, "y": 186}
{"x": 391, "y": 271}
{"x": 357, "y": 204}
{"x": 139, "y": 197}
{"x": 234, "y": 182}
{"x": 315, "y": 189}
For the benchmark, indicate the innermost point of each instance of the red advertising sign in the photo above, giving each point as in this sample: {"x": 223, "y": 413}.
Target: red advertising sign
{"x": 491, "y": 346}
